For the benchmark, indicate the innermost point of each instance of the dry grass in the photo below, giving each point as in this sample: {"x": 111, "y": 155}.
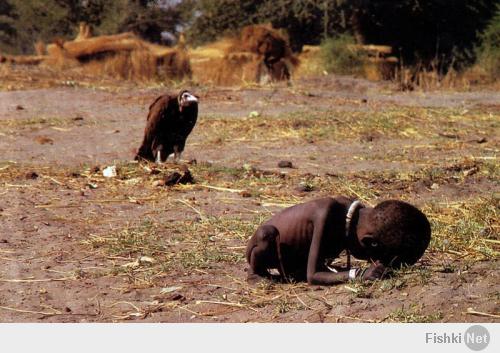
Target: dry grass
{"x": 466, "y": 229}
{"x": 414, "y": 123}
{"x": 240, "y": 60}
{"x": 310, "y": 62}
{"x": 194, "y": 236}
{"x": 123, "y": 56}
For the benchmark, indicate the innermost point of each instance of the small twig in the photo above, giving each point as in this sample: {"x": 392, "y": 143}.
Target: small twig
{"x": 492, "y": 241}
{"x": 352, "y": 318}
{"x": 220, "y": 303}
{"x": 301, "y": 301}
{"x": 7, "y": 259}
{"x": 192, "y": 312}
{"x": 17, "y": 185}
{"x": 218, "y": 188}
{"x": 30, "y": 311}
{"x": 97, "y": 201}
{"x": 52, "y": 179}
{"x": 184, "y": 202}
{"x": 220, "y": 286}
{"x": 471, "y": 311}
{"x": 27, "y": 280}
{"x": 269, "y": 204}
{"x": 354, "y": 290}
{"x": 124, "y": 302}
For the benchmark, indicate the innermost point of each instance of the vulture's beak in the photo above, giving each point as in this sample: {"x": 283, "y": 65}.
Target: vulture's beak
{"x": 187, "y": 99}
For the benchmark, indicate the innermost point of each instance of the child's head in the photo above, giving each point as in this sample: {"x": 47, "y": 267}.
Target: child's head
{"x": 395, "y": 233}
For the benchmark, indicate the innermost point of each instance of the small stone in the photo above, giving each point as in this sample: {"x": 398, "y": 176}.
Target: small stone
{"x": 176, "y": 297}
{"x": 254, "y": 114}
{"x": 285, "y": 164}
{"x": 109, "y": 172}
{"x": 32, "y": 175}
{"x": 303, "y": 187}
{"x": 19, "y": 107}
{"x": 245, "y": 193}
{"x": 44, "y": 140}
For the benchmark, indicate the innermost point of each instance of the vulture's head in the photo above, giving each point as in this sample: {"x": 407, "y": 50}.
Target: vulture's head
{"x": 186, "y": 99}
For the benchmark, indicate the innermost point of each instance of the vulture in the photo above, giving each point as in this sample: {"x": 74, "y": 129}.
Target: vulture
{"x": 170, "y": 120}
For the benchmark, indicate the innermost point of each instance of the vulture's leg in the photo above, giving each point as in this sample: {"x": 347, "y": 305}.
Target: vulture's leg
{"x": 177, "y": 154}
{"x": 158, "y": 154}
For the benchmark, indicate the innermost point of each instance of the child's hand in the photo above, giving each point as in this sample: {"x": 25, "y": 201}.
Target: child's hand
{"x": 374, "y": 272}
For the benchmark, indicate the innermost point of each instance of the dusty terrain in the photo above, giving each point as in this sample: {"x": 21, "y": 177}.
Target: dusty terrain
{"x": 78, "y": 247}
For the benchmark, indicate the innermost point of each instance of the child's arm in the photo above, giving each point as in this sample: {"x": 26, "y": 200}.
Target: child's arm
{"x": 322, "y": 224}
{"x": 321, "y": 227}
{"x": 374, "y": 272}
{"x": 329, "y": 278}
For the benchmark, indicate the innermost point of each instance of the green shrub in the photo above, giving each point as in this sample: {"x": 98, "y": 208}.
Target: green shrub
{"x": 339, "y": 56}
{"x": 488, "y": 53}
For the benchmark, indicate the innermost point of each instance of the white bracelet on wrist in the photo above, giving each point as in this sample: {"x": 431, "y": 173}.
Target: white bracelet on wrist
{"x": 353, "y": 272}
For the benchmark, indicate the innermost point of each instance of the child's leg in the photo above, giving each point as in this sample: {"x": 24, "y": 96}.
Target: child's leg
{"x": 261, "y": 252}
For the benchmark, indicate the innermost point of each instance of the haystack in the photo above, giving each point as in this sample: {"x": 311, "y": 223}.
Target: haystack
{"x": 259, "y": 54}
{"x": 22, "y": 59}
{"x": 378, "y": 64}
{"x": 122, "y": 55}
{"x": 311, "y": 63}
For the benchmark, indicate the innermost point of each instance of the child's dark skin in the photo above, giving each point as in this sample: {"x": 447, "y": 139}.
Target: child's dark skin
{"x": 309, "y": 234}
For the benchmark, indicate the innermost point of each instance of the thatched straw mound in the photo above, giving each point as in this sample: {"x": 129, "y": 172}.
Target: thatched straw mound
{"x": 22, "y": 59}
{"x": 122, "y": 55}
{"x": 377, "y": 63}
{"x": 259, "y": 54}
{"x": 310, "y": 62}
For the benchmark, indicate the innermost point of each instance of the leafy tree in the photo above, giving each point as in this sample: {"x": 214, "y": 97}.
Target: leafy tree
{"x": 46, "y": 20}
{"x": 425, "y": 30}
{"x": 489, "y": 51}
{"x": 39, "y": 20}
{"x": 149, "y": 20}
{"x": 419, "y": 30}
{"x": 208, "y": 19}
{"x": 7, "y": 29}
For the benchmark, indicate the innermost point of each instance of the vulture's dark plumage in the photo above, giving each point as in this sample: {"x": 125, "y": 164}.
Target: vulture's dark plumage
{"x": 170, "y": 121}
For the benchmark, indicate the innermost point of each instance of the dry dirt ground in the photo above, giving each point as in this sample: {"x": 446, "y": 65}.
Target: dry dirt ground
{"x": 78, "y": 247}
